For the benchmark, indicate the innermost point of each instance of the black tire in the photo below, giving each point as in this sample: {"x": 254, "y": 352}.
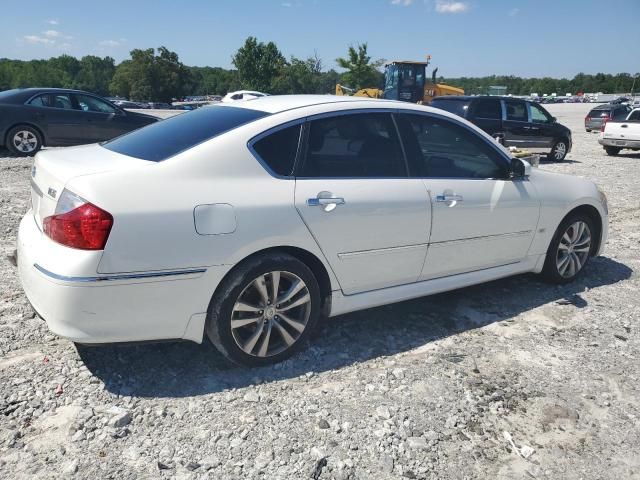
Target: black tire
{"x": 612, "y": 151}
{"x": 219, "y": 315}
{"x": 32, "y": 141}
{"x": 559, "y": 151}
{"x": 550, "y": 271}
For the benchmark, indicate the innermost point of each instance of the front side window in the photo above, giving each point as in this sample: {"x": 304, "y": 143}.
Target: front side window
{"x": 363, "y": 145}
{"x": 538, "y": 115}
{"x": 635, "y": 115}
{"x": 488, "y": 108}
{"x": 92, "y": 104}
{"x": 278, "y": 149}
{"x": 516, "y": 111}
{"x": 439, "y": 148}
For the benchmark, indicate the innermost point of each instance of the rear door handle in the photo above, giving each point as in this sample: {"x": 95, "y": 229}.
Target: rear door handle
{"x": 314, "y": 202}
{"x": 624, "y": 126}
{"x": 449, "y": 198}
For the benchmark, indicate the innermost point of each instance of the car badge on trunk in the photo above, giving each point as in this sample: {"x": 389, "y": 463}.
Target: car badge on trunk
{"x": 52, "y": 193}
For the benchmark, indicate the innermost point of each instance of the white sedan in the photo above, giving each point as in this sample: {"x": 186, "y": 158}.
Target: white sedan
{"x": 251, "y": 221}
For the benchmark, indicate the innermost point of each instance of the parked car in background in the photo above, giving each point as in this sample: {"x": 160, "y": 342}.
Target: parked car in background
{"x": 160, "y": 105}
{"x": 31, "y": 118}
{"x": 250, "y": 221}
{"x": 515, "y": 122}
{"x": 621, "y": 134}
{"x": 242, "y": 95}
{"x": 603, "y": 113}
{"x": 128, "y": 104}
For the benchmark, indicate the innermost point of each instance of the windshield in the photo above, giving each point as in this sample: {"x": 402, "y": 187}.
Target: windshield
{"x": 164, "y": 139}
{"x": 458, "y": 107}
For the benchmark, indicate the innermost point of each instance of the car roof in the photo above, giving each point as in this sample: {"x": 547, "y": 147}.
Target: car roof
{"x": 282, "y": 103}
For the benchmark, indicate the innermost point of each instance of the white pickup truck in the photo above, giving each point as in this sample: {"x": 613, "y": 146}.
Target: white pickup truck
{"x": 620, "y": 134}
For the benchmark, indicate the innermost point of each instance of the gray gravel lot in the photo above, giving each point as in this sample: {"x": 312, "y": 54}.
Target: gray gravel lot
{"x": 512, "y": 379}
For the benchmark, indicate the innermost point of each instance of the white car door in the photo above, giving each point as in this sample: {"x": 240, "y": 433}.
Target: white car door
{"x": 370, "y": 220}
{"x": 481, "y": 218}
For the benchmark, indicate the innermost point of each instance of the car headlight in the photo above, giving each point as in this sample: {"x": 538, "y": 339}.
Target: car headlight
{"x": 603, "y": 200}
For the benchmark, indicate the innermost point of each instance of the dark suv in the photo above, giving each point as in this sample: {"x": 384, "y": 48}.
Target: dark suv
{"x": 517, "y": 123}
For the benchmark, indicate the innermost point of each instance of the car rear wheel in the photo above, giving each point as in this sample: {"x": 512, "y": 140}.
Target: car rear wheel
{"x": 559, "y": 151}
{"x": 264, "y": 310}
{"x": 613, "y": 151}
{"x": 23, "y": 141}
{"x": 570, "y": 249}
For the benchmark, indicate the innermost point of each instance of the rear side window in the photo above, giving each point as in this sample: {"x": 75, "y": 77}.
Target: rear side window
{"x": 439, "y": 148}
{"x": 457, "y": 107}
{"x": 362, "y": 145}
{"x": 487, "y": 108}
{"x": 40, "y": 101}
{"x": 516, "y": 111}
{"x": 161, "y": 140}
{"x": 635, "y": 115}
{"x": 278, "y": 149}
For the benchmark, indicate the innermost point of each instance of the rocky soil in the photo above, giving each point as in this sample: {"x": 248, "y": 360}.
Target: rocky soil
{"x": 515, "y": 379}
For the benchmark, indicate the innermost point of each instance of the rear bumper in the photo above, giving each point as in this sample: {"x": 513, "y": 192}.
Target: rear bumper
{"x": 115, "y": 308}
{"x": 612, "y": 142}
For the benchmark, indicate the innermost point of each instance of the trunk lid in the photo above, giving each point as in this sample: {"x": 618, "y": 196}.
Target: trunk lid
{"x": 53, "y": 168}
{"x": 624, "y": 130}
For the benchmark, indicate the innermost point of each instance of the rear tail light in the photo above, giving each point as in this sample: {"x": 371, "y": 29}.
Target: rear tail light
{"x": 604, "y": 123}
{"x": 78, "y": 223}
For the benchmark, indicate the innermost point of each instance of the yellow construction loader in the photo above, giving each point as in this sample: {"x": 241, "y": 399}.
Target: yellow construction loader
{"x": 406, "y": 81}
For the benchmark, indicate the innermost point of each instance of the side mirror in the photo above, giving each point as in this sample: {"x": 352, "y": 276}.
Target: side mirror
{"x": 554, "y": 119}
{"x": 520, "y": 168}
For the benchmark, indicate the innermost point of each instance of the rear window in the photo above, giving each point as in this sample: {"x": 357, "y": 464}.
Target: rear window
{"x": 458, "y": 107}
{"x": 164, "y": 139}
{"x": 599, "y": 113}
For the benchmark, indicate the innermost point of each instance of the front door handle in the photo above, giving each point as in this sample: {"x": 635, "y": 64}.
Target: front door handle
{"x": 624, "y": 126}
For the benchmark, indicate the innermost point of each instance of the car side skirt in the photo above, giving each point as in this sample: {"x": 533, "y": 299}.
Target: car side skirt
{"x": 342, "y": 304}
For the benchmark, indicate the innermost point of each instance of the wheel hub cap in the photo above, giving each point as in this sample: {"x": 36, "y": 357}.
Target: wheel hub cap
{"x": 573, "y": 249}
{"x": 271, "y": 314}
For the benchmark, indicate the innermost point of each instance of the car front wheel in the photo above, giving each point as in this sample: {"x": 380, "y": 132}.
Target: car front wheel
{"x": 570, "y": 249}
{"x": 24, "y": 140}
{"x": 264, "y": 310}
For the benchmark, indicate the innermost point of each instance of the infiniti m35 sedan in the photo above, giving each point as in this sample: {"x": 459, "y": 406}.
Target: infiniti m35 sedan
{"x": 248, "y": 222}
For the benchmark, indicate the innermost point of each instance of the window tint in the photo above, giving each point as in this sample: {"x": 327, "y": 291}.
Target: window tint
{"x": 458, "y": 107}
{"x": 361, "y": 145}
{"x": 439, "y": 148}
{"x": 61, "y": 101}
{"x": 620, "y": 113}
{"x": 40, "y": 101}
{"x": 92, "y": 104}
{"x": 278, "y": 150}
{"x": 597, "y": 113}
{"x": 487, "y": 108}
{"x": 516, "y": 111}
{"x": 538, "y": 115}
{"x": 161, "y": 140}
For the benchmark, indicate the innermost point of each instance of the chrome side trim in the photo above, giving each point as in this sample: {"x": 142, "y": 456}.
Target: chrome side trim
{"x": 124, "y": 276}
{"x": 485, "y": 237}
{"x": 379, "y": 251}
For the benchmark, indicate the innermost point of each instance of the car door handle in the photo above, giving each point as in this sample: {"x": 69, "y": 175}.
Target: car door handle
{"x": 314, "y": 202}
{"x": 449, "y": 198}
{"x": 624, "y": 126}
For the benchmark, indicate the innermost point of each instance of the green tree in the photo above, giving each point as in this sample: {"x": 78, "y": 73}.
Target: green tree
{"x": 148, "y": 76}
{"x": 95, "y": 74}
{"x": 361, "y": 72}
{"x": 258, "y": 64}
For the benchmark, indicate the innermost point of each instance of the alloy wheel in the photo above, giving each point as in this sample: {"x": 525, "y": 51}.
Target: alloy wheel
{"x": 573, "y": 249}
{"x": 25, "y": 141}
{"x": 560, "y": 151}
{"x": 270, "y": 314}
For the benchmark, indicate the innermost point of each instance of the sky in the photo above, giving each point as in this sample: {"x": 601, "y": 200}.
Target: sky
{"x": 535, "y": 38}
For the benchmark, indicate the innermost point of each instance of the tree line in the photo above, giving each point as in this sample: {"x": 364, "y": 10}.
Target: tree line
{"x": 158, "y": 75}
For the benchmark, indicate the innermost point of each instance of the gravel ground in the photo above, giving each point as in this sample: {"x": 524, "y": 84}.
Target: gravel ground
{"x": 512, "y": 379}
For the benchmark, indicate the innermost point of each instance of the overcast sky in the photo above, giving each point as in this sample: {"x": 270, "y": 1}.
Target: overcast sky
{"x": 556, "y": 38}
